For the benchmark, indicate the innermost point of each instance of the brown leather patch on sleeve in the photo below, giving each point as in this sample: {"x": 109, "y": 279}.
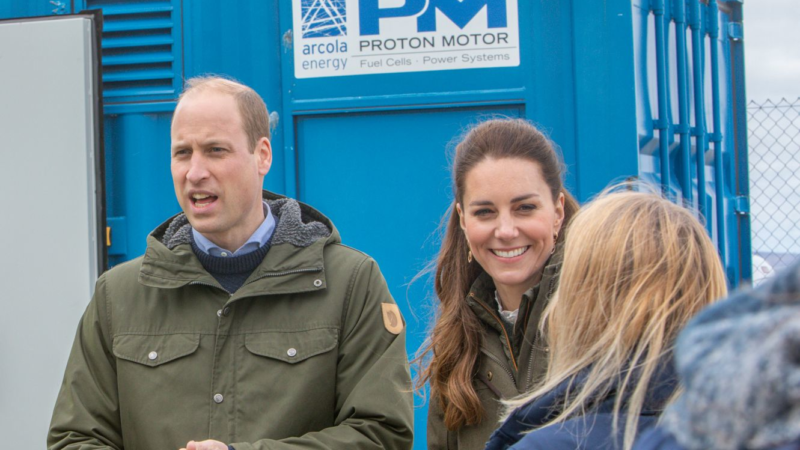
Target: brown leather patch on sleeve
{"x": 392, "y": 319}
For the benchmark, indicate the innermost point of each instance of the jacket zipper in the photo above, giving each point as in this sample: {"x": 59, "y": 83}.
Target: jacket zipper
{"x": 533, "y": 345}
{"x": 530, "y": 365}
{"x": 508, "y": 341}
{"x": 501, "y": 364}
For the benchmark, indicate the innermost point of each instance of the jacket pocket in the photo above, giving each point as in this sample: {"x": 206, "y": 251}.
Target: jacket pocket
{"x": 154, "y": 351}
{"x": 292, "y": 346}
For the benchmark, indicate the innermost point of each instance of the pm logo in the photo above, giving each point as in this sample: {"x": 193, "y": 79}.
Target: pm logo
{"x": 324, "y": 18}
{"x": 460, "y": 12}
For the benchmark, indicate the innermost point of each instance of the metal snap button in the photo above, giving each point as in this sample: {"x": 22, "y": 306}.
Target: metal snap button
{"x": 317, "y": 282}
{"x": 490, "y": 375}
{"x": 219, "y": 313}
{"x": 226, "y": 311}
{"x": 152, "y": 356}
{"x": 291, "y": 352}
{"x": 218, "y": 398}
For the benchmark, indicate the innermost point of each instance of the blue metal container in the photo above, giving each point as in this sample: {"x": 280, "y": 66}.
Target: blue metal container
{"x": 650, "y": 89}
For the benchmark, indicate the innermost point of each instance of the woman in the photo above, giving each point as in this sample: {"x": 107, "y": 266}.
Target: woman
{"x": 636, "y": 269}
{"x": 496, "y": 270}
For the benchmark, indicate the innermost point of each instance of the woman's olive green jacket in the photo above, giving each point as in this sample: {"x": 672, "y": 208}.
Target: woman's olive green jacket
{"x": 511, "y": 358}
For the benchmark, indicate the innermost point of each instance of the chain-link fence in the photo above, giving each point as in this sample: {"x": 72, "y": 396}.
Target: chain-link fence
{"x": 774, "y": 140}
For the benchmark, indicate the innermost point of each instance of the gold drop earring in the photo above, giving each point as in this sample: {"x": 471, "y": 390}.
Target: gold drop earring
{"x": 555, "y": 238}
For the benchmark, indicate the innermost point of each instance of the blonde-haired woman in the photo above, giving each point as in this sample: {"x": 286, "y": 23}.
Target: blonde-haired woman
{"x": 636, "y": 269}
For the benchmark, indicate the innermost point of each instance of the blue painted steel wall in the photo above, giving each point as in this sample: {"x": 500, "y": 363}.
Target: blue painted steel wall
{"x": 602, "y": 78}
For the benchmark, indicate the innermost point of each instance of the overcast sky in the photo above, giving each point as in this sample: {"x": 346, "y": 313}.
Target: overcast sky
{"x": 772, "y": 49}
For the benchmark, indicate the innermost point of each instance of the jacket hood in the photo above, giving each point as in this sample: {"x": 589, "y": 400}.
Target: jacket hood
{"x": 301, "y": 233}
{"x": 739, "y": 361}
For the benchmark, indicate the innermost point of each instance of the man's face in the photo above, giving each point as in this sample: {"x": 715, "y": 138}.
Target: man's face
{"x": 217, "y": 178}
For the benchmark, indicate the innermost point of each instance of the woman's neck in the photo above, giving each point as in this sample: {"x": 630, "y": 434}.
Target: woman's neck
{"x": 510, "y": 297}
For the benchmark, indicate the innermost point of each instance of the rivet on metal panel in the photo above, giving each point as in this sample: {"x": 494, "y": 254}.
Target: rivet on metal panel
{"x": 274, "y": 118}
{"x": 736, "y": 31}
{"x": 287, "y": 39}
{"x": 60, "y": 7}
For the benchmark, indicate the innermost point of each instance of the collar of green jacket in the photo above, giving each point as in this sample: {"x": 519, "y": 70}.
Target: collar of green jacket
{"x": 482, "y": 301}
{"x": 481, "y": 294}
{"x": 295, "y": 252}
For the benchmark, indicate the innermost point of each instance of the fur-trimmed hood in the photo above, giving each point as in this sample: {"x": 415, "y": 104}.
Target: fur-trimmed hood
{"x": 739, "y": 361}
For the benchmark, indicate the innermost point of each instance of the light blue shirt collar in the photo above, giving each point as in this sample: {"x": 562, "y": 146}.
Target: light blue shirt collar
{"x": 256, "y": 240}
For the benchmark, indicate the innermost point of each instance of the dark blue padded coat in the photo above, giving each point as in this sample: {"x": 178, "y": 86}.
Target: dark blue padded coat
{"x": 590, "y": 431}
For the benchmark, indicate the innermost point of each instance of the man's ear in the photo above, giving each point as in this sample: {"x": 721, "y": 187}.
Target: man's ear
{"x": 263, "y": 154}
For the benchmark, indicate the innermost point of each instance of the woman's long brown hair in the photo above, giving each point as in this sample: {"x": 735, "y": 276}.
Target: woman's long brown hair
{"x": 450, "y": 355}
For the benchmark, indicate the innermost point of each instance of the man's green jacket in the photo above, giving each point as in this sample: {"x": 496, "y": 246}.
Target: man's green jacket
{"x": 308, "y": 353}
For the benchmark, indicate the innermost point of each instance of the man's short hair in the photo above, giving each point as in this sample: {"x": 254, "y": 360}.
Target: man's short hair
{"x": 252, "y": 109}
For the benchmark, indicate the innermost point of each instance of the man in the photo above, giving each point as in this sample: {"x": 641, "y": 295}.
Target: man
{"x": 246, "y": 324}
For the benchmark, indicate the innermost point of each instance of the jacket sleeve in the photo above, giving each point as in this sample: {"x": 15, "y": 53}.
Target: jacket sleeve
{"x": 437, "y": 432}
{"x": 374, "y": 402}
{"x": 86, "y": 414}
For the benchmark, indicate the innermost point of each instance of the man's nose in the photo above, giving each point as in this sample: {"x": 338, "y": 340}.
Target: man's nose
{"x": 506, "y": 228}
{"x": 197, "y": 169}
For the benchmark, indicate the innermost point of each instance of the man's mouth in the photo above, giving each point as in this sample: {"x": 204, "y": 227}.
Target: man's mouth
{"x": 203, "y": 200}
{"x": 511, "y": 253}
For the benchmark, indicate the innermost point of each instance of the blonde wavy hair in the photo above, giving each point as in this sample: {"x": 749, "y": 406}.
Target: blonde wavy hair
{"x": 636, "y": 268}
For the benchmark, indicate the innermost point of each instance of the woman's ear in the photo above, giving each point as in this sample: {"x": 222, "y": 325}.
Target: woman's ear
{"x": 559, "y": 211}
{"x": 461, "y": 217}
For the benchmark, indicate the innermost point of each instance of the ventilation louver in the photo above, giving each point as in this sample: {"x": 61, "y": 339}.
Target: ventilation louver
{"x": 140, "y": 57}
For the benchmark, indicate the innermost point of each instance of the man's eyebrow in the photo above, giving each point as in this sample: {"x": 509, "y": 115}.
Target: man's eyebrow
{"x": 212, "y": 142}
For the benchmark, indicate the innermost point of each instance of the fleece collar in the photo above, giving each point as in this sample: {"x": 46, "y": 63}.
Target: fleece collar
{"x": 296, "y": 248}
{"x": 290, "y": 228}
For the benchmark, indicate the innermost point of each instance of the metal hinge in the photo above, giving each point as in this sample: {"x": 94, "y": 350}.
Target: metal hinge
{"x": 741, "y": 204}
{"x": 736, "y": 31}
{"x": 116, "y": 236}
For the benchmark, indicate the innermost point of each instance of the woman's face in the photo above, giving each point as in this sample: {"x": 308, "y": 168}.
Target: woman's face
{"x": 509, "y": 218}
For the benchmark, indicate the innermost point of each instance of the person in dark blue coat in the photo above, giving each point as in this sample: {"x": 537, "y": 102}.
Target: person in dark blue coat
{"x": 739, "y": 361}
{"x": 636, "y": 269}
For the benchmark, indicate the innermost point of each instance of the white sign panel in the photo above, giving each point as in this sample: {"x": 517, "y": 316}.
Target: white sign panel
{"x": 360, "y": 37}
